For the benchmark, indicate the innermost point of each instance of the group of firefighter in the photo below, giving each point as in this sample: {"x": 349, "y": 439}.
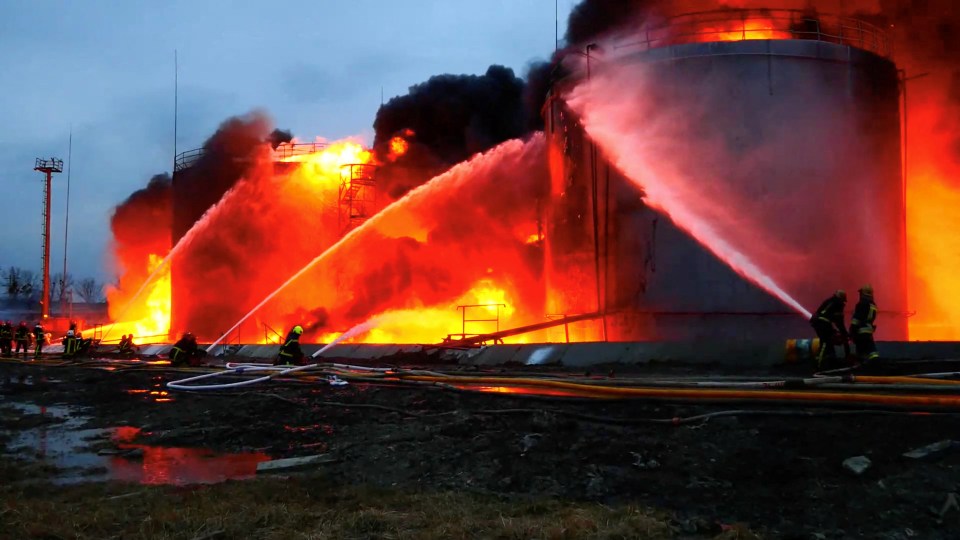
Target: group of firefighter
{"x": 17, "y": 339}
{"x": 828, "y": 323}
{"x": 186, "y": 351}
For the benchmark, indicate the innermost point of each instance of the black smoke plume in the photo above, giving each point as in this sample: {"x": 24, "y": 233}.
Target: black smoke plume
{"x": 141, "y": 223}
{"x": 226, "y": 157}
{"x": 452, "y": 117}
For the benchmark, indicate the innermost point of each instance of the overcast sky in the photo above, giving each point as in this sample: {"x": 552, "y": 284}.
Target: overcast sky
{"x": 106, "y": 69}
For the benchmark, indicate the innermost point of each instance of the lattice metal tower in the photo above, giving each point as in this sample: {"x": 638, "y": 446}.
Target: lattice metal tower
{"x": 358, "y": 194}
{"x": 48, "y": 167}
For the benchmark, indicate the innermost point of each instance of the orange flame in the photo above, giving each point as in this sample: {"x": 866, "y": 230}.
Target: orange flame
{"x": 743, "y": 31}
{"x": 932, "y": 199}
{"x": 150, "y": 316}
{"x": 398, "y": 147}
{"x": 489, "y": 309}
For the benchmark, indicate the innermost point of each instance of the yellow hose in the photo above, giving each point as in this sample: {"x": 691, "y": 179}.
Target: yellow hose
{"x": 687, "y": 393}
{"x": 904, "y": 380}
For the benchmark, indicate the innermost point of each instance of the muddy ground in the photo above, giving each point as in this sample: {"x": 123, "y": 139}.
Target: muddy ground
{"x": 781, "y": 476}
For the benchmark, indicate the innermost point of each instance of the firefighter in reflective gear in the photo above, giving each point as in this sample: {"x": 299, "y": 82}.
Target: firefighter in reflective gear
{"x": 290, "y": 352}
{"x": 185, "y": 352}
{"x": 864, "y": 324}
{"x": 827, "y": 322}
{"x": 39, "y": 337}
{"x": 71, "y": 342}
{"x": 23, "y": 338}
{"x": 6, "y": 338}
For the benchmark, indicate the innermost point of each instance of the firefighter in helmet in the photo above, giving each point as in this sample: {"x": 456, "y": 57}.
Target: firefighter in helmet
{"x": 40, "y": 337}
{"x": 71, "y": 341}
{"x": 863, "y": 325}
{"x": 186, "y": 352}
{"x": 126, "y": 346}
{"x": 290, "y": 352}
{"x": 828, "y": 323}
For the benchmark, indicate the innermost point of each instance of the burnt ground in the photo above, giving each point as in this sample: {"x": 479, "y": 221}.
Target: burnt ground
{"x": 782, "y": 476}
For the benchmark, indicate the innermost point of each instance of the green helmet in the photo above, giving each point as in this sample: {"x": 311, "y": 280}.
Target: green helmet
{"x": 298, "y": 329}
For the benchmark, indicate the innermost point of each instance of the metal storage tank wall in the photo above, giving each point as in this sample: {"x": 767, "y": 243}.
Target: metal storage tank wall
{"x": 660, "y": 284}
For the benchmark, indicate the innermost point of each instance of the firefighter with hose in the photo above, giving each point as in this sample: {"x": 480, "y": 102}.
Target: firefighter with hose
{"x": 828, "y": 323}
{"x": 290, "y": 352}
{"x": 863, "y": 325}
{"x": 186, "y": 352}
{"x": 71, "y": 342}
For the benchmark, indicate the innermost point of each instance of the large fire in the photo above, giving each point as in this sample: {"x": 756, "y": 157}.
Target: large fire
{"x": 416, "y": 269}
{"x": 484, "y": 309}
{"x": 742, "y": 30}
{"x": 933, "y": 197}
{"x": 295, "y": 202}
{"x": 147, "y": 317}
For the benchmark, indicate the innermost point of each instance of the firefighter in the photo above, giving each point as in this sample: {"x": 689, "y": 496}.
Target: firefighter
{"x": 827, "y": 322}
{"x": 863, "y": 325}
{"x": 126, "y": 346}
{"x": 6, "y": 338}
{"x": 186, "y": 352}
{"x": 23, "y": 338}
{"x": 39, "y": 337}
{"x": 290, "y": 352}
{"x": 71, "y": 342}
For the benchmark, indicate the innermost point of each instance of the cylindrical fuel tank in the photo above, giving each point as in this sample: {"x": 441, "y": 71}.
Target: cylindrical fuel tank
{"x": 607, "y": 251}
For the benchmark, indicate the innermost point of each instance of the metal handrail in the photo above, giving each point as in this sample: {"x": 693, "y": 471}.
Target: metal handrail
{"x": 185, "y": 160}
{"x": 286, "y": 151}
{"x": 763, "y": 24}
{"x": 267, "y": 330}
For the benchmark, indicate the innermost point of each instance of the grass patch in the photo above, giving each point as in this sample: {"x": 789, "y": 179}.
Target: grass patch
{"x": 306, "y": 508}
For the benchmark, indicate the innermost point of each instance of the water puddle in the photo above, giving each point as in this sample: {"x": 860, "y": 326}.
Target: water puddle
{"x": 147, "y": 464}
{"x": 84, "y": 455}
{"x": 156, "y": 393}
{"x": 522, "y": 390}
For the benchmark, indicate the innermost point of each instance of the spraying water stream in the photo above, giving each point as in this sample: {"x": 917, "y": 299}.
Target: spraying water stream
{"x": 188, "y": 238}
{"x": 645, "y": 144}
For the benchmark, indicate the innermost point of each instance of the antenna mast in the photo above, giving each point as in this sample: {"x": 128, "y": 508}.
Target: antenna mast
{"x": 66, "y": 230}
{"x": 176, "y": 87}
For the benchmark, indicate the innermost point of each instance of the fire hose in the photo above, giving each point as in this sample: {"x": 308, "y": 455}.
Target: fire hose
{"x": 762, "y": 391}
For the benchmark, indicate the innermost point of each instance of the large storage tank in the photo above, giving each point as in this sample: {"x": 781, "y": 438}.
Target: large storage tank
{"x": 607, "y": 251}
{"x": 201, "y": 178}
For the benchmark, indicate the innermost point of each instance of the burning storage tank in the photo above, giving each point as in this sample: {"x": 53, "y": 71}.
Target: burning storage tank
{"x": 243, "y": 223}
{"x": 760, "y": 75}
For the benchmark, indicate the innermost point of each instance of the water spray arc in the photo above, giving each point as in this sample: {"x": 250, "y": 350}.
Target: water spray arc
{"x": 747, "y": 164}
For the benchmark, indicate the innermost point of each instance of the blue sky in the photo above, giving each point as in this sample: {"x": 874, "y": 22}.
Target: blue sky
{"x": 106, "y": 69}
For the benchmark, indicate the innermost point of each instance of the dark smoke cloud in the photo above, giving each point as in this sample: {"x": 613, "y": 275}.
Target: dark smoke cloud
{"x": 141, "y": 223}
{"x": 227, "y": 155}
{"x": 452, "y": 117}
{"x": 278, "y": 137}
{"x": 457, "y": 115}
{"x": 593, "y": 18}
